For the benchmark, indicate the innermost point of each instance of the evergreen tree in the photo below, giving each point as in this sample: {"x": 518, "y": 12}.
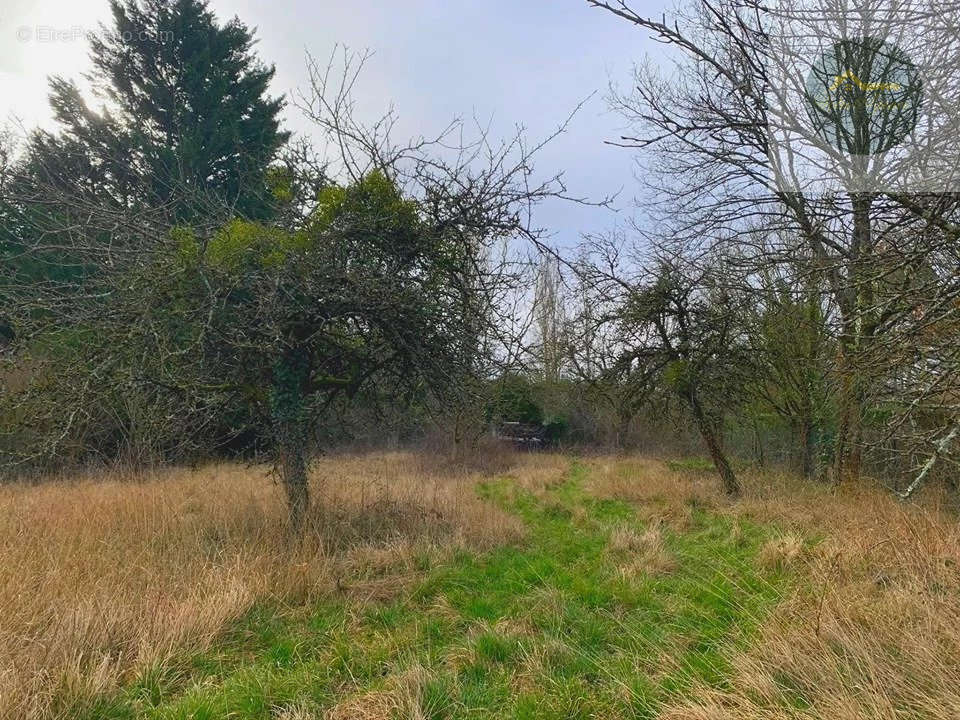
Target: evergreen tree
{"x": 187, "y": 123}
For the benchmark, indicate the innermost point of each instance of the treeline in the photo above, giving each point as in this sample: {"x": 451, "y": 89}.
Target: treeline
{"x": 796, "y": 263}
{"x": 181, "y": 279}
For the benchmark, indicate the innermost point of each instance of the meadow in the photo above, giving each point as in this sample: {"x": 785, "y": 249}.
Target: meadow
{"x": 535, "y": 586}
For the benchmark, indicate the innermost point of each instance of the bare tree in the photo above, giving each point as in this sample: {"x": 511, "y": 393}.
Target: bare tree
{"x": 679, "y": 322}
{"x": 736, "y": 135}
{"x": 618, "y": 373}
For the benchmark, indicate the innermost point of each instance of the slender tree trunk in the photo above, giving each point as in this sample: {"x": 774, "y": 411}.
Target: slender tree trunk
{"x": 857, "y": 327}
{"x": 807, "y": 448}
{"x": 711, "y": 437}
{"x": 458, "y": 446}
{"x": 758, "y": 444}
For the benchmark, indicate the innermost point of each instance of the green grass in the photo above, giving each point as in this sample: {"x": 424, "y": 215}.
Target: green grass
{"x": 549, "y": 629}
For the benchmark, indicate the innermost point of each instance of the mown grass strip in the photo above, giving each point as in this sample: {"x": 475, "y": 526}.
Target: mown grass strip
{"x": 567, "y": 625}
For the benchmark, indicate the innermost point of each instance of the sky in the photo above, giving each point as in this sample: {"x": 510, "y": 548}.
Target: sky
{"x": 512, "y": 62}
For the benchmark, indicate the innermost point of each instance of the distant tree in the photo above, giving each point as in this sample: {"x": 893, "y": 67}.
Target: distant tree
{"x": 550, "y": 319}
{"x": 616, "y": 372}
{"x": 682, "y": 322}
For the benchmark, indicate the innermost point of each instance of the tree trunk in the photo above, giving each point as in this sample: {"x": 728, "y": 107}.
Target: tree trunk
{"x": 846, "y": 460}
{"x": 858, "y": 326}
{"x": 624, "y": 421}
{"x": 291, "y": 378}
{"x": 711, "y": 436}
{"x": 807, "y": 447}
{"x": 459, "y": 453}
{"x": 758, "y": 444}
{"x": 293, "y": 474}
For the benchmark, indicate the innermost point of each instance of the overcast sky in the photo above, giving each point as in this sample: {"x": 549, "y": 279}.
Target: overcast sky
{"x": 523, "y": 62}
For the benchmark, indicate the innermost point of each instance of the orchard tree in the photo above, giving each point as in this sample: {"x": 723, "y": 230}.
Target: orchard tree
{"x": 617, "y": 372}
{"x": 285, "y": 322}
{"x": 388, "y": 278}
{"x": 674, "y": 321}
{"x": 692, "y": 325}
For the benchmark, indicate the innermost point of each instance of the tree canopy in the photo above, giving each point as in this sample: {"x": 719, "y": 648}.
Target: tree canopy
{"x": 186, "y": 122}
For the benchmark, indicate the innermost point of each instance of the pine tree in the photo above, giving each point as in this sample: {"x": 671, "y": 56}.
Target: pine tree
{"x": 186, "y": 123}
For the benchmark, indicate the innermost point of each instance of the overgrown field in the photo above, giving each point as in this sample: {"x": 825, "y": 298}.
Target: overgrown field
{"x": 547, "y": 587}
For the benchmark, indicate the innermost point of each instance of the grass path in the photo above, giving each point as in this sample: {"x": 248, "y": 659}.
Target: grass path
{"x": 597, "y": 614}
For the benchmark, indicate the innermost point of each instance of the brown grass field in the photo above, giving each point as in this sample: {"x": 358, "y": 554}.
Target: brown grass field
{"x": 875, "y": 627}
{"x": 101, "y": 577}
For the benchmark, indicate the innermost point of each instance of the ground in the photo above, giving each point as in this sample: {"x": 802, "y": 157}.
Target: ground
{"x": 540, "y": 586}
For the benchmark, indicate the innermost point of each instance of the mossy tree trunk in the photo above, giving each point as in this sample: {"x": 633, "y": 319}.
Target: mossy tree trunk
{"x": 291, "y": 380}
{"x": 858, "y": 326}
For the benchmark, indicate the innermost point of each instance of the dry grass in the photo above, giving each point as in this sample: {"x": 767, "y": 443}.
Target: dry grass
{"x": 400, "y": 698}
{"x": 103, "y": 576}
{"x": 873, "y": 631}
{"x": 782, "y": 551}
{"x": 659, "y": 493}
{"x": 641, "y": 552}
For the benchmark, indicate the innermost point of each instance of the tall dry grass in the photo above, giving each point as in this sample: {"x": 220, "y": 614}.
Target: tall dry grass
{"x": 872, "y": 629}
{"x": 875, "y": 630}
{"x": 103, "y": 576}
